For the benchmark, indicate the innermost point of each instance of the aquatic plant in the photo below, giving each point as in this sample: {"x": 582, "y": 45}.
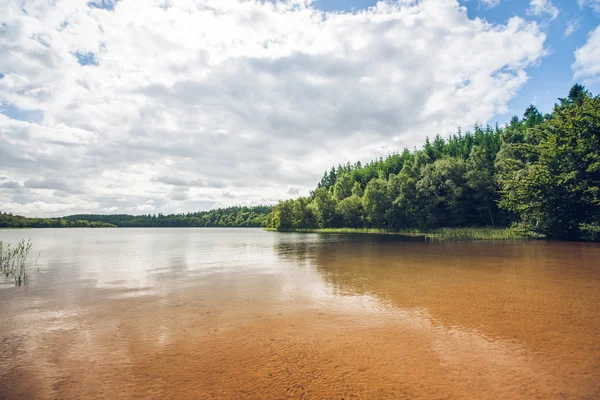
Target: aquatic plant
{"x": 442, "y": 234}
{"x": 13, "y": 261}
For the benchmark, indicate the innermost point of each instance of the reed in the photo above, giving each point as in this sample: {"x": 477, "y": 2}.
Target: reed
{"x": 13, "y": 261}
{"x": 479, "y": 234}
{"x": 441, "y": 234}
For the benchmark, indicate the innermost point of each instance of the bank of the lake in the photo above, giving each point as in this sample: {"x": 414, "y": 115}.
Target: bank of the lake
{"x": 440, "y": 234}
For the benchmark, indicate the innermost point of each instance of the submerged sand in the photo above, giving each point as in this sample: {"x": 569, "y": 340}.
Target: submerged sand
{"x": 231, "y": 314}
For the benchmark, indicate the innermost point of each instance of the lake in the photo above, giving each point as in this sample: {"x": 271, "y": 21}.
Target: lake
{"x": 249, "y": 314}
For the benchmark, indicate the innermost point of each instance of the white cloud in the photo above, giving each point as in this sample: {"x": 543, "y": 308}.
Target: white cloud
{"x": 185, "y": 101}
{"x": 593, "y": 4}
{"x": 543, "y": 8}
{"x": 490, "y": 3}
{"x": 572, "y": 27}
{"x": 587, "y": 58}
{"x": 179, "y": 195}
{"x": 145, "y": 208}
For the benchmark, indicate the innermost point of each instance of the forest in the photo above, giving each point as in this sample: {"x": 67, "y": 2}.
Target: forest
{"x": 17, "y": 221}
{"x": 222, "y": 217}
{"x": 539, "y": 173}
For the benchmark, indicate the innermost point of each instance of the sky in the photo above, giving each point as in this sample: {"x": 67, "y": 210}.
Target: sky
{"x": 172, "y": 106}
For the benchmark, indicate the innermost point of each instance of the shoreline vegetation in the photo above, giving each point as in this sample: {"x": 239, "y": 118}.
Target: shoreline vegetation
{"x": 440, "y": 234}
{"x": 13, "y": 261}
{"x": 539, "y": 174}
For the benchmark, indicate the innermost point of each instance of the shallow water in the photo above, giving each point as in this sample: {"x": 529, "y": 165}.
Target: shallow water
{"x": 243, "y": 313}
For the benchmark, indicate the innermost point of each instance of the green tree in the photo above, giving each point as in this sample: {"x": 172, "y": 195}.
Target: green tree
{"x": 284, "y": 212}
{"x": 357, "y": 190}
{"x": 407, "y": 207}
{"x": 324, "y": 205}
{"x": 577, "y": 94}
{"x": 342, "y": 187}
{"x": 301, "y": 216}
{"x": 556, "y": 191}
{"x": 350, "y": 210}
{"x": 441, "y": 190}
{"x": 480, "y": 179}
{"x": 532, "y": 117}
{"x": 376, "y": 202}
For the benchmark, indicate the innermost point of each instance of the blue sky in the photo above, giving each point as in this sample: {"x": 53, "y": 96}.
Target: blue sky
{"x": 553, "y": 77}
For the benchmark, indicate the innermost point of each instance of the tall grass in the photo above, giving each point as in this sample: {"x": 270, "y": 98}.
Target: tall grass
{"x": 441, "y": 234}
{"x": 13, "y": 261}
{"x": 477, "y": 234}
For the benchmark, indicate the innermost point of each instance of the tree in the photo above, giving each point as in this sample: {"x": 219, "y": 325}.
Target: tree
{"x": 556, "y": 191}
{"x": 302, "y": 216}
{"x": 282, "y": 215}
{"x": 342, "y": 187}
{"x": 407, "y": 207}
{"x": 514, "y": 131}
{"x": 441, "y": 190}
{"x": 376, "y": 201}
{"x": 357, "y": 190}
{"x": 577, "y": 94}
{"x": 480, "y": 179}
{"x": 532, "y": 117}
{"x": 324, "y": 205}
{"x": 350, "y": 210}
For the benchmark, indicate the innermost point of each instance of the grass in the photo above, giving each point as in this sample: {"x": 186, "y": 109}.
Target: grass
{"x": 441, "y": 234}
{"x": 13, "y": 261}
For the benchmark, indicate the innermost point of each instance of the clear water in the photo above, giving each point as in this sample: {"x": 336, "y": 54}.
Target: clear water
{"x": 244, "y": 313}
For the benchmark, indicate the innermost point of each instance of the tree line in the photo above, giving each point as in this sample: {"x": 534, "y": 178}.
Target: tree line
{"x": 236, "y": 216}
{"x": 538, "y": 172}
{"x": 17, "y": 221}
{"x": 222, "y": 217}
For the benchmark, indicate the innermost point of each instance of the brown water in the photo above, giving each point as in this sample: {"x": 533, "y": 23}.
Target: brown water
{"x": 247, "y": 314}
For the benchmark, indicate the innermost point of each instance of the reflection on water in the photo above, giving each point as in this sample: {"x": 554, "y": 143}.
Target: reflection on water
{"x": 242, "y": 313}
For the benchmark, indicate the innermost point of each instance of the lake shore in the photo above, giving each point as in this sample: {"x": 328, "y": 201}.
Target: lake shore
{"x": 440, "y": 234}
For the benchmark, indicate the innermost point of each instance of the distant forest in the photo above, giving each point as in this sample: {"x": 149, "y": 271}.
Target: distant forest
{"x": 221, "y": 217}
{"x": 17, "y": 221}
{"x": 539, "y": 172}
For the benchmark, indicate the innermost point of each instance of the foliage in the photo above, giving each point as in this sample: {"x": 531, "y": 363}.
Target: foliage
{"x": 18, "y": 221}
{"x": 556, "y": 189}
{"x": 539, "y": 172}
{"x": 222, "y": 217}
{"x": 351, "y": 211}
{"x": 442, "y": 234}
{"x": 376, "y": 201}
{"x": 590, "y": 232}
